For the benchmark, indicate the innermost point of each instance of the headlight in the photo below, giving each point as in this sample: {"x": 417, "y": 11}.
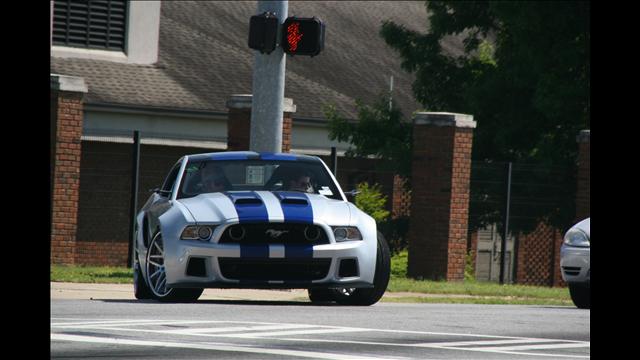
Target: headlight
{"x": 577, "y": 237}
{"x": 346, "y": 233}
{"x": 197, "y": 233}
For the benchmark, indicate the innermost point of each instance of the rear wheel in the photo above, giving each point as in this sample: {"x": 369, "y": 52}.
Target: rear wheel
{"x": 581, "y": 295}
{"x": 369, "y": 296}
{"x": 140, "y": 288}
{"x": 157, "y": 277}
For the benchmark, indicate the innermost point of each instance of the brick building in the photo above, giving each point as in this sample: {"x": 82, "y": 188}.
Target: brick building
{"x": 177, "y": 72}
{"x": 171, "y": 71}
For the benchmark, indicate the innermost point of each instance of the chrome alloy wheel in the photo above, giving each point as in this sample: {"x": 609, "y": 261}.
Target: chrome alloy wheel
{"x": 156, "y": 275}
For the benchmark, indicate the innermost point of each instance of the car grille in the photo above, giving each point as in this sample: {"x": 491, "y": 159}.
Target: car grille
{"x": 274, "y": 233}
{"x": 571, "y": 271}
{"x": 274, "y": 269}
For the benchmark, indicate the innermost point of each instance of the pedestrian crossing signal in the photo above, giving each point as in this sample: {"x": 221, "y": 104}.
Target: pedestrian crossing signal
{"x": 263, "y": 32}
{"x": 302, "y": 36}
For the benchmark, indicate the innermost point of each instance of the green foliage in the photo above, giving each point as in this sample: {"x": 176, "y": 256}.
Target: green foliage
{"x": 399, "y": 264}
{"x": 380, "y": 131}
{"x": 524, "y": 74}
{"x": 469, "y": 271}
{"x": 370, "y": 200}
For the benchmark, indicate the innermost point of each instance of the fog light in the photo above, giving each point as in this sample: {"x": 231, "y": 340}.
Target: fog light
{"x": 311, "y": 233}
{"x": 237, "y": 233}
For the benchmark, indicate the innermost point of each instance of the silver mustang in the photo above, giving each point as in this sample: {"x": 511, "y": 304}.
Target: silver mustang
{"x": 257, "y": 220}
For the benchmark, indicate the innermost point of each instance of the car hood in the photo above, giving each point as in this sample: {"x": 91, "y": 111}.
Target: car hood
{"x": 263, "y": 206}
{"x": 584, "y": 225}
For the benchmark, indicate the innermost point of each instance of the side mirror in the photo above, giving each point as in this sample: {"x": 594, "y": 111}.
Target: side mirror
{"x": 351, "y": 195}
{"x": 161, "y": 192}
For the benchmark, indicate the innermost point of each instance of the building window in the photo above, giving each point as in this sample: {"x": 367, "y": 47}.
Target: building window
{"x": 90, "y": 24}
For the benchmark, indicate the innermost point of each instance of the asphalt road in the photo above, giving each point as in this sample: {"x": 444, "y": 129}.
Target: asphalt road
{"x": 237, "y": 329}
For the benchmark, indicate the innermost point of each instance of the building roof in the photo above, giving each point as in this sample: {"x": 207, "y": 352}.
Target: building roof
{"x": 204, "y": 59}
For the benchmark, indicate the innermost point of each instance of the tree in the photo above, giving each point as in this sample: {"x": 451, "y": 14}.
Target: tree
{"x": 524, "y": 74}
{"x": 381, "y": 131}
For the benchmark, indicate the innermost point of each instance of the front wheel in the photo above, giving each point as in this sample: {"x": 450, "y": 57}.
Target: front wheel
{"x": 320, "y": 295}
{"x": 157, "y": 277}
{"x": 581, "y": 295}
{"x": 140, "y": 288}
{"x": 369, "y": 296}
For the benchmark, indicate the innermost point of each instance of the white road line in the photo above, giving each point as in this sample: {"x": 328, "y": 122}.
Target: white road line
{"x": 522, "y": 353}
{"x": 141, "y": 322}
{"x": 486, "y": 342}
{"x": 536, "y": 347}
{"x": 112, "y": 325}
{"x": 498, "y": 337}
{"x": 191, "y": 331}
{"x": 436, "y": 347}
{"x": 205, "y": 346}
{"x": 294, "y": 332}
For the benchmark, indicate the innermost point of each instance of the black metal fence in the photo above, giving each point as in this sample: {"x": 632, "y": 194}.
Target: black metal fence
{"x": 519, "y": 197}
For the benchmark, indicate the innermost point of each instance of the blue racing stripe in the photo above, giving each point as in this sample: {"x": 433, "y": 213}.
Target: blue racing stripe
{"x": 249, "y": 206}
{"x": 254, "y": 251}
{"x": 298, "y": 251}
{"x": 229, "y": 156}
{"x": 274, "y": 156}
{"x": 296, "y": 207}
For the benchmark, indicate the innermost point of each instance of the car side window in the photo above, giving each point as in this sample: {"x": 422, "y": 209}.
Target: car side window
{"x": 171, "y": 178}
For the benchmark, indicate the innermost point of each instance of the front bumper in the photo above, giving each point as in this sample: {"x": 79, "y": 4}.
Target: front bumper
{"x": 270, "y": 265}
{"x": 575, "y": 263}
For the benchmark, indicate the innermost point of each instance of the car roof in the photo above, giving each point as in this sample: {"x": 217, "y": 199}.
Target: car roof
{"x": 252, "y": 155}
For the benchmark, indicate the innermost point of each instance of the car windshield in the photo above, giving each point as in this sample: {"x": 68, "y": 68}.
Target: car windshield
{"x": 208, "y": 176}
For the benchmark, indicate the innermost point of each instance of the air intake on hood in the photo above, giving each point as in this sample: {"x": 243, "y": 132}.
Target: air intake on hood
{"x": 248, "y": 202}
{"x": 295, "y": 201}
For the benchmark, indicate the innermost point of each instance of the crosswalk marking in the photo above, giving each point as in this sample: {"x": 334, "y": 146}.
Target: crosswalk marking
{"x": 190, "y": 331}
{"x": 487, "y": 342}
{"x": 288, "y": 331}
{"x": 298, "y": 332}
{"x": 207, "y": 346}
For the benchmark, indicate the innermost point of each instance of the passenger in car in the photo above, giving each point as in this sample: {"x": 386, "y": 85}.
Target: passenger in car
{"x": 299, "y": 181}
{"x": 210, "y": 178}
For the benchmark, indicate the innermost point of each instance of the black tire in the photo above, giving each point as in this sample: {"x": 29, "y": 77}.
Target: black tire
{"x": 163, "y": 293}
{"x": 320, "y": 295}
{"x": 182, "y": 295}
{"x": 140, "y": 288}
{"x": 581, "y": 295}
{"x": 370, "y": 296}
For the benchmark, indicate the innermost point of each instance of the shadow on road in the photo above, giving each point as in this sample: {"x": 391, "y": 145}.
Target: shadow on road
{"x": 224, "y": 302}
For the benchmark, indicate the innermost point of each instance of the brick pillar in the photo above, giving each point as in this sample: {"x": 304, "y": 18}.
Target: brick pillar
{"x": 239, "y": 125}
{"x": 287, "y": 124}
{"x": 441, "y": 169}
{"x": 583, "y": 200}
{"x": 400, "y": 198}
{"x": 67, "y": 94}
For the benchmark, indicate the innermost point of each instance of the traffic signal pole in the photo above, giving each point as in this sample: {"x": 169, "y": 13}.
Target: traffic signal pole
{"x": 268, "y": 89}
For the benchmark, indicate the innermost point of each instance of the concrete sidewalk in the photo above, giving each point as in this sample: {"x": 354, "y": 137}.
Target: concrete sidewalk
{"x": 63, "y": 290}
{"x": 86, "y": 291}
